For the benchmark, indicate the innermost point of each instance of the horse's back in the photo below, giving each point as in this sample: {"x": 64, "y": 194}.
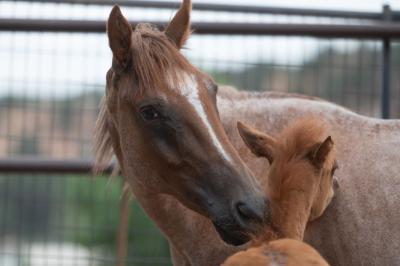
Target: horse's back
{"x": 361, "y": 227}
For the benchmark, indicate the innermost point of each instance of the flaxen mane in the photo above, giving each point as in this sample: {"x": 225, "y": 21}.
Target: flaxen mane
{"x": 155, "y": 60}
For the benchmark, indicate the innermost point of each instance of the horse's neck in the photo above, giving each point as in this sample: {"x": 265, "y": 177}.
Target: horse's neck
{"x": 166, "y": 212}
{"x": 293, "y": 230}
{"x": 267, "y": 235}
{"x": 168, "y": 215}
{"x": 292, "y": 226}
{"x": 191, "y": 235}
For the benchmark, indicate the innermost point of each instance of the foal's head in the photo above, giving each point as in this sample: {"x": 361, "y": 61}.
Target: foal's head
{"x": 300, "y": 178}
{"x": 161, "y": 119}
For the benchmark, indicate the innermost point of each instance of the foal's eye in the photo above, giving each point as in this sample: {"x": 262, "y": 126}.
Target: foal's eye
{"x": 149, "y": 113}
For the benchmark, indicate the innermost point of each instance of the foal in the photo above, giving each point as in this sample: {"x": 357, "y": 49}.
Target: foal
{"x": 299, "y": 186}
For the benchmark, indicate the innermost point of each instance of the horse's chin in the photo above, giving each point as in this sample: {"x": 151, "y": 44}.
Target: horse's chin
{"x": 234, "y": 238}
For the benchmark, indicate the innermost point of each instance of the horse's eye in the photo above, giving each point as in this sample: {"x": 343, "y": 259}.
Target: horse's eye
{"x": 149, "y": 113}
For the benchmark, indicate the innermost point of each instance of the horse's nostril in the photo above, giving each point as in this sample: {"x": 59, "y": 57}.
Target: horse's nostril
{"x": 246, "y": 212}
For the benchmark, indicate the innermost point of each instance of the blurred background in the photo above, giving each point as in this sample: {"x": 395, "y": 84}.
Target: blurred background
{"x": 53, "y": 60}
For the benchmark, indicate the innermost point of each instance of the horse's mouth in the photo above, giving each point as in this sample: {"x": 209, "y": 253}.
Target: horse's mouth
{"x": 232, "y": 236}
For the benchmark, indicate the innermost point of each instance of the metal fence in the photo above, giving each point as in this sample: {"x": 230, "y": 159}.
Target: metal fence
{"x": 53, "y": 60}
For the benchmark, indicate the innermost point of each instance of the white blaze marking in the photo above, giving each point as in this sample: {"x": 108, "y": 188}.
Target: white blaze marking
{"x": 189, "y": 90}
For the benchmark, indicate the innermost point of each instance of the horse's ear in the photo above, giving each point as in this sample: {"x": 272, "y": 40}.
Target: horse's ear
{"x": 119, "y": 36}
{"x": 319, "y": 153}
{"x": 178, "y": 29}
{"x": 258, "y": 142}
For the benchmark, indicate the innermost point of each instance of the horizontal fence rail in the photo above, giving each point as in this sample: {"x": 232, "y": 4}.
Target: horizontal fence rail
{"x": 232, "y": 8}
{"x": 385, "y": 29}
{"x": 382, "y": 30}
{"x": 44, "y": 166}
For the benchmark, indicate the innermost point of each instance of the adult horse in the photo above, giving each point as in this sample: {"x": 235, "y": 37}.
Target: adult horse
{"x": 160, "y": 119}
{"x": 361, "y": 226}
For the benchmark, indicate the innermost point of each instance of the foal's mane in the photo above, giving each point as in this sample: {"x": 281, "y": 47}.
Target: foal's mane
{"x": 297, "y": 139}
{"x": 155, "y": 60}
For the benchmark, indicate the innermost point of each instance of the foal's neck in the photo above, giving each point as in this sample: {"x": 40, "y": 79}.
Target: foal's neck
{"x": 266, "y": 236}
{"x": 293, "y": 229}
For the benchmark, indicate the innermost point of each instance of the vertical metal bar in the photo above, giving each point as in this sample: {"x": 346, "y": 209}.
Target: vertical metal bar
{"x": 385, "y": 103}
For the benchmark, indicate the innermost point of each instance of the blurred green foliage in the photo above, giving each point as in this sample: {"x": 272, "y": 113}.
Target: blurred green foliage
{"x": 93, "y": 203}
{"x": 77, "y": 209}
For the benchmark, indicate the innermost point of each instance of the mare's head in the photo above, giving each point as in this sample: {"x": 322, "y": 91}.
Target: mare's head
{"x": 300, "y": 178}
{"x": 159, "y": 117}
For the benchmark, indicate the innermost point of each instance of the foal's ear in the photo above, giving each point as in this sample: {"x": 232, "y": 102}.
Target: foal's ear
{"x": 258, "y": 142}
{"x": 178, "y": 29}
{"x": 119, "y": 36}
{"x": 320, "y": 152}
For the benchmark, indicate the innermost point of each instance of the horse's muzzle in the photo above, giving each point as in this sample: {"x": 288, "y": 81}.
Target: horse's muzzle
{"x": 231, "y": 234}
{"x": 243, "y": 222}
